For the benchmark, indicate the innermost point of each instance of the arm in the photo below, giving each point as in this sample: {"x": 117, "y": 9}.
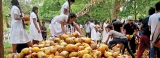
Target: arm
{"x": 109, "y": 36}
{"x": 62, "y": 26}
{"x": 35, "y": 23}
{"x": 16, "y": 17}
{"x": 78, "y": 29}
{"x": 45, "y": 30}
{"x": 136, "y": 33}
{"x": 16, "y": 12}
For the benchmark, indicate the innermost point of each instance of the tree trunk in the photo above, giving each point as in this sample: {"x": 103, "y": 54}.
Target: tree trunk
{"x": 1, "y": 32}
{"x": 114, "y": 12}
{"x": 135, "y": 10}
{"x": 116, "y": 9}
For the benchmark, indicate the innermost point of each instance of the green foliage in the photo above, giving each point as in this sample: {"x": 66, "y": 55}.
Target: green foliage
{"x": 102, "y": 10}
{"x": 50, "y": 9}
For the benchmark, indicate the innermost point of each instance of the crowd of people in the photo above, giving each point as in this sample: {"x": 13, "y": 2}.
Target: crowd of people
{"x": 130, "y": 34}
{"x": 138, "y": 34}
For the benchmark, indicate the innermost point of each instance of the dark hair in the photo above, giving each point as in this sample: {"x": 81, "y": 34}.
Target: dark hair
{"x": 114, "y": 20}
{"x": 72, "y": 1}
{"x": 140, "y": 20}
{"x": 72, "y": 15}
{"x": 109, "y": 26}
{"x": 97, "y": 22}
{"x": 91, "y": 20}
{"x": 87, "y": 21}
{"x": 34, "y": 8}
{"x": 157, "y": 5}
{"x": 151, "y": 11}
{"x": 15, "y": 2}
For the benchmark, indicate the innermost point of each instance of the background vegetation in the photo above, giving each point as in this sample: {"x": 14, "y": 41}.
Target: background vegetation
{"x": 99, "y": 10}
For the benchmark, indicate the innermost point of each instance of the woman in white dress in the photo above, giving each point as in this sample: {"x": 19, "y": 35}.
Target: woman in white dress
{"x": 59, "y": 24}
{"x": 18, "y": 33}
{"x": 93, "y": 31}
{"x": 35, "y": 31}
{"x": 105, "y": 34}
{"x": 65, "y": 7}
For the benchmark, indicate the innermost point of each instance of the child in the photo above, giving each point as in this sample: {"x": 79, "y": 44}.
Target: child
{"x": 44, "y": 31}
{"x": 118, "y": 38}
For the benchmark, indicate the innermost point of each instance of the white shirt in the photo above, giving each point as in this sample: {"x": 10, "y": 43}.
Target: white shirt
{"x": 153, "y": 20}
{"x": 65, "y": 6}
{"x": 87, "y": 28}
{"x": 15, "y": 10}
{"x": 56, "y": 24}
{"x": 59, "y": 19}
{"x": 33, "y": 15}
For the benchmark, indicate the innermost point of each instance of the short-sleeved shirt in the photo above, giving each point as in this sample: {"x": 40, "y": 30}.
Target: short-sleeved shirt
{"x": 15, "y": 10}
{"x": 65, "y": 6}
{"x": 116, "y": 34}
{"x": 92, "y": 26}
{"x": 130, "y": 28}
{"x": 153, "y": 20}
{"x": 117, "y": 25}
{"x": 44, "y": 33}
{"x": 87, "y": 28}
{"x": 32, "y": 16}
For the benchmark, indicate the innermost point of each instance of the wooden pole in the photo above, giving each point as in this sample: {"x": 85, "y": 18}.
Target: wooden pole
{"x": 1, "y": 32}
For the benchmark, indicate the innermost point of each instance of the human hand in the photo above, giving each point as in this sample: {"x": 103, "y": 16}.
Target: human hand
{"x": 39, "y": 31}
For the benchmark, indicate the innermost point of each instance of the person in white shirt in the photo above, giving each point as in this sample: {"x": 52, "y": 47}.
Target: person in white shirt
{"x": 65, "y": 7}
{"x": 152, "y": 23}
{"x": 59, "y": 23}
{"x": 18, "y": 34}
{"x": 104, "y": 33}
{"x": 87, "y": 29}
{"x": 98, "y": 30}
{"x": 93, "y": 31}
{"x": 35, "y": 28}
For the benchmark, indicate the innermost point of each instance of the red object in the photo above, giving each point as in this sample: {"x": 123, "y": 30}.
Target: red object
{"x": 144, "y": 43}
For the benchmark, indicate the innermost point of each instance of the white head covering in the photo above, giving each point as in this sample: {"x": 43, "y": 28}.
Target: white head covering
{"x": 130, "y": 18}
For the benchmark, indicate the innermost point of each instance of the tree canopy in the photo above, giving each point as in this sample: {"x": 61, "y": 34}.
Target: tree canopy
{"x": 99, "y": 10}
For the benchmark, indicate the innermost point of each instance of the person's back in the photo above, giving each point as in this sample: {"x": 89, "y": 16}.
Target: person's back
{"x": 153, "y": 20}
{"x": 117, "y": 26}
{"x": 145, "y": 29}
